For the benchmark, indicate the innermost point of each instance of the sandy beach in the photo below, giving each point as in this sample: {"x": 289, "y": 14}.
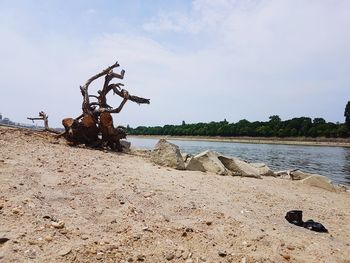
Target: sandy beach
{"x": 73, "y": 204}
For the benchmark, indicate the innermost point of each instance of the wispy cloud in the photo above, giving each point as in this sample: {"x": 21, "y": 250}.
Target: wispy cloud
{"x": 219, "y": 59}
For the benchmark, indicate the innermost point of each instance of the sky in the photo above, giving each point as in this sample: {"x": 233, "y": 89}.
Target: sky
{"x": 198, "y": 61}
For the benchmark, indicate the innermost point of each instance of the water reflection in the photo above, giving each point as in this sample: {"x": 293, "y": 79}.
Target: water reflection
{"x": 333, "y": 162}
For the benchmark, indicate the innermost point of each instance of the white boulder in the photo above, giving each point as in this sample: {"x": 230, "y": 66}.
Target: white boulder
{"x": 242, "y": 168}
{"x": 319, "y": 181}
{"x": 299, "y": 175}
{"x": 192, "y": 164}
{"x": 167, "y": 154}
{"x": 207, "y": 161}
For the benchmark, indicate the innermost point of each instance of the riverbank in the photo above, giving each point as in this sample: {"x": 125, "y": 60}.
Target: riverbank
{"x": 330, "y": 142}
{"x": 73, "y": 204}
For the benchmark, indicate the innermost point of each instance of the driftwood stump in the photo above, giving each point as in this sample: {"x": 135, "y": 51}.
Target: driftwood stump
{"x": 94, "y": 127}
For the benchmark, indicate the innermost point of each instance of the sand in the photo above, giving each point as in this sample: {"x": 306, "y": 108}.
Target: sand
{"x": 72, "y": 204}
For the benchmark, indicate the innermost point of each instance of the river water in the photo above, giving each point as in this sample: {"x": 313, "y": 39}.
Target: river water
{"x": 333, "y": 162}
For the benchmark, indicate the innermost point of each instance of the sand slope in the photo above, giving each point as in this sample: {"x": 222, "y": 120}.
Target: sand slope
{"x": 121, "y": 207}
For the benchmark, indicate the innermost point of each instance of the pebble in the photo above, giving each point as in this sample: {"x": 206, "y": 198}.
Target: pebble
{"x": 209, "y": 223}
{"x": 63, "y": 231}
{"x": 15, "y": 210}
{"x": 31, "y": 253}
{"x": 286, "y": 256}
{"x": 290, "y": 247}
{"x": 84, "y": 237}
{"x": 169, "y": 256}
{"x": 59, "y": 224}
{"x": 222, "y": 253}
{"x": 178, "y": 254}
{"x": 64, "y": 251}
{"x": 147, "y": 195}
{"x": 48, "y": 238}
{"x": 141, "y": 257}
{"x": 99, "y": 255}
{"x": 243, "y": 260}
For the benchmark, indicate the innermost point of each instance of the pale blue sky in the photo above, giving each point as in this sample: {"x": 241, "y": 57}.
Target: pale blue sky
{"x": 196, "y": 60}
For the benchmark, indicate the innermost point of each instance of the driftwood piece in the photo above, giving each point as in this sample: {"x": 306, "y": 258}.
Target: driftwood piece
{"x": 44, "y": 117}
{"x": 96, "y": 117}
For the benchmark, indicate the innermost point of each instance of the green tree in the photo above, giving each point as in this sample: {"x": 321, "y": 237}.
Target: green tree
{"x": 347, "y": 114}
{"x": 319, "y": 121}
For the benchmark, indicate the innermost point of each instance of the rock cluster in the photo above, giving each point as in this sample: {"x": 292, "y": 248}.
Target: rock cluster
{"x": 169, "y": 155}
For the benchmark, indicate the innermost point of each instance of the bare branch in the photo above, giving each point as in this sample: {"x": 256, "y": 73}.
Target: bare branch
{"x": 104, "y": 72}
{"x": 116, "y": 110}
{"x": 45, "y": 118}
{"x": 84, "y": 89}
{"x": 133, "y": 98}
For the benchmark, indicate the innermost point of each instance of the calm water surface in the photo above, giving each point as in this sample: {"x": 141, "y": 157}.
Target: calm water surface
{"x": 333, "y": 162}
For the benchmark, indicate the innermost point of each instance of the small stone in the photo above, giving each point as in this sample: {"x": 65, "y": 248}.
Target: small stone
{"x": 15, "y": 210}
{"x": 64, "y": 251}
{"x": 48, "y": 238}
{"x": 146, "y": 228}
{"x": 290, "y": 247}
{"x": 31, "y": 253}
{"x": 169, "y": 256}
{"x": 130, "y": 260}
{"x": 58, "y": 225}
{"x": 137, "y": 237}
{"x": 84, "y": 237}
{"x": 222, "y": 253}
{"x": 243, "y": 260}
{"x": 63, "y": 231}
{"x": 140, "y": 257}
{"x": 209, "y": 223}
{"x": 32, "y": 242}
{"x": 286, "y": 256}
{"x": 99, "y": 255}
{"x": 147, "y": 195}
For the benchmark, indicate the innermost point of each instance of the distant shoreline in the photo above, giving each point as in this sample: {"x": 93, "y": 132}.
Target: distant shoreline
{"x": 330, "y": 142}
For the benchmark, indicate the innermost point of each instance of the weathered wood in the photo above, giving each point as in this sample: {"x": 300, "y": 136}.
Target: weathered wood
{"x": 96, "y": 117}
{"x": 45, "y": 118}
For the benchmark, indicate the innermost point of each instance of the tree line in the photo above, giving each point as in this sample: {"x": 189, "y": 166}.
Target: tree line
{"x": 296, "y": 127}
{"x": 274, "y": 127}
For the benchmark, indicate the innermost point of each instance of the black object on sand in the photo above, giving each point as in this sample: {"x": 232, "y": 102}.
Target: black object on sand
{"x": 295, "y": 217}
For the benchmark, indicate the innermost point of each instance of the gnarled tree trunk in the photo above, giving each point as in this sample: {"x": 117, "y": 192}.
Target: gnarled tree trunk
{"x": 97, "y": 115}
